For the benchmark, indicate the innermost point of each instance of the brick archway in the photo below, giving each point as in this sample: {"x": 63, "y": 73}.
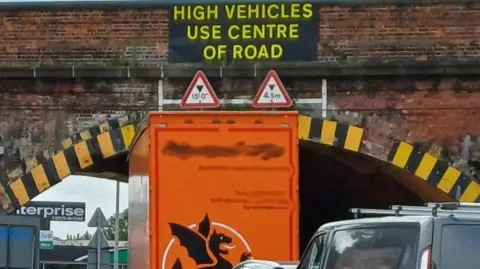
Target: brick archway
{"x": 401, "y": 154}
{"x": 101, "y": 144}
{"x": 82, "y": 154}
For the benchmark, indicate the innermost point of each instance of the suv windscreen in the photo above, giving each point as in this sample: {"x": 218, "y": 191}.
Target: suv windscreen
{"x": 460, "y": 246}
{"x": 311, "y": 259}
{"x": 374, "y": 248}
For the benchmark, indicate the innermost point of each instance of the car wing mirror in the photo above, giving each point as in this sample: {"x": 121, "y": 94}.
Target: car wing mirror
{"x": 258, "y": 264}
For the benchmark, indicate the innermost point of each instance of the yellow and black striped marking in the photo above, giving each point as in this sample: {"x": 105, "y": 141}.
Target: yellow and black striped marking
{"x": 108, "y": 139}
{"x": 436, "y": 172}
{"x": 106, "y": 126}
{"x": 79, "y": 156}
{"x": 103, "y": 127}
{"x": 330, "y": 133}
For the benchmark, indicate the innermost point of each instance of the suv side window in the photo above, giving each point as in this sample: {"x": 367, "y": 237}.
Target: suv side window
{"x": 459, "y": 246}
{"x": 313, "y": 256}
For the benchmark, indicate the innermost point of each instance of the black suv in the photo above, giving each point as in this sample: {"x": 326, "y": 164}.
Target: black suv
{"x": 435, "y": 236}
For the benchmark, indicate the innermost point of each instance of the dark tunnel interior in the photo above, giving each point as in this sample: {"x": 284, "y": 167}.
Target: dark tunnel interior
{"x": 328, "y": 188}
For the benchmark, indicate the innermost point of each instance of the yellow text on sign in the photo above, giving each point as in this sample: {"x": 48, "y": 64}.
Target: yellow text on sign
{"x": 266, "y": 37}
{"x": 243, "y": 12}
{"x": 244, "y": 32}
{"x": 249, "y": 52}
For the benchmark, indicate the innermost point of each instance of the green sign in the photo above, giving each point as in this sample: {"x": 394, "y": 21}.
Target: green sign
{"x": 122, "y": 256}
{"x": 46, "y": 240}
{"x": 46, "y": 245}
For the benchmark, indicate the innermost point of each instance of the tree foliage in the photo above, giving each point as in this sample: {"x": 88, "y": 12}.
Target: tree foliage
{"x": 109, "y": 231}
{"x": 123, "y": 227}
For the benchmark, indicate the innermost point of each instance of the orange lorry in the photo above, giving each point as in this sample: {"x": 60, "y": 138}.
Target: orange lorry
{"x": 210, "y": 189}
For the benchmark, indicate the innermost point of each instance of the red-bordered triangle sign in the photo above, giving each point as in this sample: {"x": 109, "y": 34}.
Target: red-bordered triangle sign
{"x": 200, "y": 93}
{"x": 272, "y": 93}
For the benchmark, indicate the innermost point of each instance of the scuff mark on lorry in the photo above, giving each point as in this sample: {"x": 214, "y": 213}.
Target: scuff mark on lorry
{"x": 185, "y": 150}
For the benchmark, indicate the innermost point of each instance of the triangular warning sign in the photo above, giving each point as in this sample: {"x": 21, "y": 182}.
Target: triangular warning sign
{"x": 272, "y": 93}
{"x": 200, "y": 93}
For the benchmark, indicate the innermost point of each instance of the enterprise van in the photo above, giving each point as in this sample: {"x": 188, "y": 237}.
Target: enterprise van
{"x": 435, "y": 236}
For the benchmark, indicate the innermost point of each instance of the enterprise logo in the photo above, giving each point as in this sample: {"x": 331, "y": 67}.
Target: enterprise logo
{"x": 54, "y": 211}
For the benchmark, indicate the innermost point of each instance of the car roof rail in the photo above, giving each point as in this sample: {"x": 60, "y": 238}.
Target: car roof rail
{"x": 452, "y": 210}
{"x": 455, "y": 205}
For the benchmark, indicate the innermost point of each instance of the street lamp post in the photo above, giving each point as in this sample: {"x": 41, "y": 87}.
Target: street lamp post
{"x": 117, "y": 226}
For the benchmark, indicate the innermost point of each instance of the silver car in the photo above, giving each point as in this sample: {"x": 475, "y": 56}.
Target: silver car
{"x": 437, "y": 236}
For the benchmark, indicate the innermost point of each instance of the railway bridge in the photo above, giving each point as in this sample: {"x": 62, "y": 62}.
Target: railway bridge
{"x": 388, "y": 93}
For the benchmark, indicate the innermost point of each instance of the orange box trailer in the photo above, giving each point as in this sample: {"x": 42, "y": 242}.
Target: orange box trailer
{"x": 220, "y": 187}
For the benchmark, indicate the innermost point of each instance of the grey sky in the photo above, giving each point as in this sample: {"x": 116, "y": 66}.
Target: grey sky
{"x": 95, "y": 192}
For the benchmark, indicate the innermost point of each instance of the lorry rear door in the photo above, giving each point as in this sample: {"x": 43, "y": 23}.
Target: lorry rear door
{"x": 224, "y": 187}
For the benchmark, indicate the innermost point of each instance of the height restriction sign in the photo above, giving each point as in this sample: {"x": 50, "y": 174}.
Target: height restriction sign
{"x": 200, "y": 93}
{"x": 272, "y": 93}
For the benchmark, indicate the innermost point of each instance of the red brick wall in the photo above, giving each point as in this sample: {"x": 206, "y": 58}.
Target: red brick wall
{"x": 405, "y": 32}
{"x": 438, "y": 110}
{"x": 121, "y": 37}
{"x": 35, "y": 115}
{"x": 83, "y": 37}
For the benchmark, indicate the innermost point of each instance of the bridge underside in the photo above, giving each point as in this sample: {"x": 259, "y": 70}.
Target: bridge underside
{"x": 335, "y": 173}
{"x": 333, "y": 180}
{"x": 114, "y": 168}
